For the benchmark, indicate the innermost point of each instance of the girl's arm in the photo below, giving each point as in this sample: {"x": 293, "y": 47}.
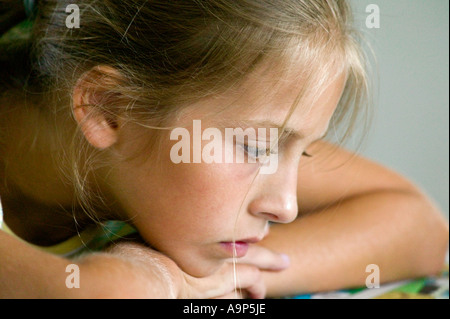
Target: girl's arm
{"x": 125, "y": 270}
{"x": 352, "y": 213}
{"x": 26, "y": 272}
{"x": 23, "y": 269}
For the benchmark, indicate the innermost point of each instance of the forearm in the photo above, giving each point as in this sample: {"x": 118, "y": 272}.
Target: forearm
{"x": 402, "y": 233}
{"x": 142, "y": 272}
{"x": 26, "y": 272}
{"x": 29, "y": 273}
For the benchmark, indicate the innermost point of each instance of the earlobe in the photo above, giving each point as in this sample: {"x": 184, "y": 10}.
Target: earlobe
{"x": 98, "y": 128}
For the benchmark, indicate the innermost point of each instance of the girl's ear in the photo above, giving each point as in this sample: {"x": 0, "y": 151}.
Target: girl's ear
{"x": 99, "y": 127}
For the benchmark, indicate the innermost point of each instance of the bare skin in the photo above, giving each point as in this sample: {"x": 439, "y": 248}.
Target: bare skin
{"x": 342, "y": 201}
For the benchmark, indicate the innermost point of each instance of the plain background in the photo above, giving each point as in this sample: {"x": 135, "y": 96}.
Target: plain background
{"x": 410, "y": 127}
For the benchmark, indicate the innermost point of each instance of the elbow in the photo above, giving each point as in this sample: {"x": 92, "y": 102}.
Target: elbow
{"x": 434, "y": 238}
{"x": 437, "y": 260}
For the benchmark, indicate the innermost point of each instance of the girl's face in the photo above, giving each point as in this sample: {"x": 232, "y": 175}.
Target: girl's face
{"x": 193, "y": 212}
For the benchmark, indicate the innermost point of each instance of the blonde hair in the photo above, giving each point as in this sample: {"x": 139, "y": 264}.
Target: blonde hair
{"x": 173, "y": 53}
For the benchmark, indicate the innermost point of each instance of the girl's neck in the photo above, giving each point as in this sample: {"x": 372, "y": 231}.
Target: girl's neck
{"x": 35, "y": 187}
{"x": 32, "y": 147}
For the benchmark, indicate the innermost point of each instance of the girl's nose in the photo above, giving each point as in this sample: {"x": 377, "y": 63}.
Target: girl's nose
{"x": 276, "y": 199}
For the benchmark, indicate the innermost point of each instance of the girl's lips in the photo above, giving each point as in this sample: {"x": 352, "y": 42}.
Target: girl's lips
{"x": 235, "y": 249}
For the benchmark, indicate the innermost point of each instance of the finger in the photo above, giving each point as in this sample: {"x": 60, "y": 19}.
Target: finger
{"x": 236, "y": 294}
{"x": 265, "y": 259}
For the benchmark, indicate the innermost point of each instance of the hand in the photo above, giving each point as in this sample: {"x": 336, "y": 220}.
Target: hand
{"x": 141, "y": 272}
{"x": 241, "y": 279}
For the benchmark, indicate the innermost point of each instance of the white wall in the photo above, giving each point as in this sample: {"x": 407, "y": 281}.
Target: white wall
{"x": 410, "y": 131}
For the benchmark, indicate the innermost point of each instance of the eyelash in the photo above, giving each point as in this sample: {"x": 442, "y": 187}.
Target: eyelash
{"x": 265, "y": 151}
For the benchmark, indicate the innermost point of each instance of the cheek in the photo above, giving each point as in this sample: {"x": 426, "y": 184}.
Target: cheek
{"x": 200, "y": 199}
{"x": 208, "y": 187}
{"x": 197, "y": 201}
{"x": 200, "y": 187}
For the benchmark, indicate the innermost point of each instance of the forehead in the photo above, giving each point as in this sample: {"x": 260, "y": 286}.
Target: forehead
{"x": 266, "y": 97}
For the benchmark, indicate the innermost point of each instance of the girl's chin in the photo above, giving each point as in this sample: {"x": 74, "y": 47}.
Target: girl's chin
{"x": 198, "y": 262}
{"x": 200, "y": 267}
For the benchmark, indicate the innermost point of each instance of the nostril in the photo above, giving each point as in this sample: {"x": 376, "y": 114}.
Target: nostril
{"x": 270, "y": 217}
{"x": 275, "y": 208}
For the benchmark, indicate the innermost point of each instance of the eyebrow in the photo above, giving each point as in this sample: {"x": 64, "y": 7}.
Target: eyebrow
{"x": 287, "y": 131}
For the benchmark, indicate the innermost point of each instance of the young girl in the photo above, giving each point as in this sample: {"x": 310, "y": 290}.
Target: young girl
{"x": 88, "y": 182}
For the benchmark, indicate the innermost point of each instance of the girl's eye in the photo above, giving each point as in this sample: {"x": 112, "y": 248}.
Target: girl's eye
{"x": 256, "y": 152}
{"x": 259, "y": 152}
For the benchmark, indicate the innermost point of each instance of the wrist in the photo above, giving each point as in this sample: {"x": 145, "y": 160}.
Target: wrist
{"x": 130, "y": 271}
